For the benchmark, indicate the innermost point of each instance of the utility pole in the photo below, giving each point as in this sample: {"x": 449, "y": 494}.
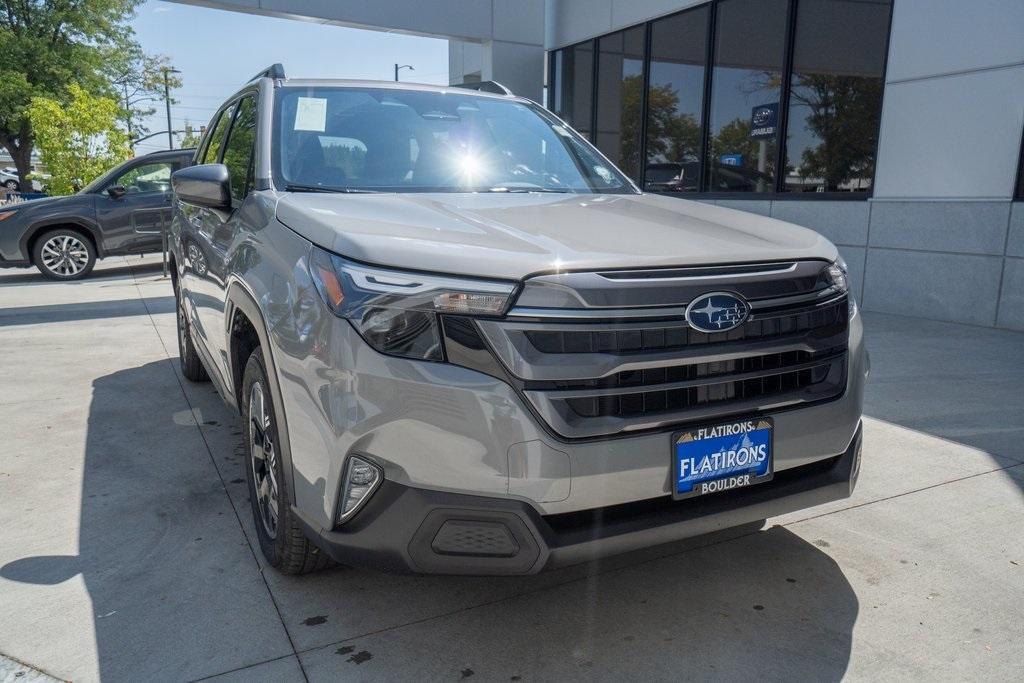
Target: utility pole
{"x": 167, "y": 103}
{"x": 399, "y": 68}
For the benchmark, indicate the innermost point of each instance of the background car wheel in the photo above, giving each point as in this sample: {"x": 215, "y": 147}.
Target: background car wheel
{"x": 191, "y": 366}
{"x": 64, "y": 254}
{"x": 11, "y": 185}
{"x": 281, "y": 537}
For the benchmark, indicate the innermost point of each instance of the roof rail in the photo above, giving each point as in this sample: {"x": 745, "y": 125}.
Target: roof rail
{"x": 486, "y": 86}
{"x": 272, "y": 71}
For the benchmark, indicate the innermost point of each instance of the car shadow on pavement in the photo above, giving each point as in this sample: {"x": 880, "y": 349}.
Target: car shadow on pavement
{"x": 177, "y": 593}
{"x": 32, "y": 275}
{"x": 85, "y": 310}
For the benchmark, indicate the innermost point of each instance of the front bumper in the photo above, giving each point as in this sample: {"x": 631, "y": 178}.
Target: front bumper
{"x": 428, "y": 531}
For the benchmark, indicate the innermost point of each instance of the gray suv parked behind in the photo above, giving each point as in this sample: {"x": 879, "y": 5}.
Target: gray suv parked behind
{"x": 124, "y": 211}
{"x": 463, "y": 342}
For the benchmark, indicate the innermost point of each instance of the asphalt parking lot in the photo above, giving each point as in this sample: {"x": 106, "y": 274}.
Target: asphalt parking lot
{"x": 127, "y": 550}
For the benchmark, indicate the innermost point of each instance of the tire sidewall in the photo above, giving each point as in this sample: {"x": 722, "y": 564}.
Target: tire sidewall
{"x": 272, "y": 548}
{"x": 180, "y": 317}
{"x": 37, "y": 254}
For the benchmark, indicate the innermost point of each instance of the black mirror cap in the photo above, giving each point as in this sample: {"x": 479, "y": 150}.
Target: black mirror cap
{"x": 207, "y": 185}
{"x": 116, "y": 191}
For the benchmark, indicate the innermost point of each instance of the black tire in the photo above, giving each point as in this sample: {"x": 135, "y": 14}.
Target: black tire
{"x": 191, "y": 365}
{"x": 282, "y": 540}
{"x": 11, "y": 185}
{"x": 64, "y": 254}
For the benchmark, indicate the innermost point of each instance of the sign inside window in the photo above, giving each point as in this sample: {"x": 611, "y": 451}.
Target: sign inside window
{"x": 764, "y": 119}
{"x": 311, "y": 114}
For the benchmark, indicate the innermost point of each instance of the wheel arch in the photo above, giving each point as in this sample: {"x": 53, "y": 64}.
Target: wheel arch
{"x": 245, "y": 324}
{"x": 88, "y": 230}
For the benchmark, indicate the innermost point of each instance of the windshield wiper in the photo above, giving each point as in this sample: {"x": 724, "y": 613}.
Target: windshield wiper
{"x": 294, "y": 187}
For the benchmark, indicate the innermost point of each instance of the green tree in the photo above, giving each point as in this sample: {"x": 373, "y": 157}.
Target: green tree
{"x": 139, "y": 81}
{"x": 45, "y": 46}
{"x": 671, "y": 135}
{"x": 192, "y": 136}
{"x": 78, "y": 140}
{"x": 842, "y": 113}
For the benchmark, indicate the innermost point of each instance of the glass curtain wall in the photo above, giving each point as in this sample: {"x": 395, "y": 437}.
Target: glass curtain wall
{"x": 835, "y": 95}
{"x": 786, "y": 98}
{"x": 675, "y": 101}
{"x": 620, "y": 94}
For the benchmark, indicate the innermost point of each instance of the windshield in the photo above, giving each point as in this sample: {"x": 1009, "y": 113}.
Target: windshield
{"x": 383, "y": 140}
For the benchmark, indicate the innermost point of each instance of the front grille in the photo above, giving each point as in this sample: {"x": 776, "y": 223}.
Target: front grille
{"x": 594, "y": 372}
{"x": 664, "y": 338}
{"x": 776, "y": 374}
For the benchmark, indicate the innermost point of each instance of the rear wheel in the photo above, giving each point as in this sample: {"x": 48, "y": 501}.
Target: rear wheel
{"x": 11, "y": 185}
{"x": 64, "y": 254}
{"x": 282, "y": 540}
{"x": 191, "y": 366}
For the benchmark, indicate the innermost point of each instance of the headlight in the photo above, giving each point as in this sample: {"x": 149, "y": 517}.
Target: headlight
{"x": 833, "y": 276}
{"x": 396, "y": 312}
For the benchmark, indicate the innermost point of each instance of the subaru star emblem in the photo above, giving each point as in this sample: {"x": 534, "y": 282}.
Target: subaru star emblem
{"x": 717, "y": 312}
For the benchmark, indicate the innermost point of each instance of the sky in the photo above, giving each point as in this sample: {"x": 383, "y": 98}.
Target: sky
{"x": 219, "y": 51}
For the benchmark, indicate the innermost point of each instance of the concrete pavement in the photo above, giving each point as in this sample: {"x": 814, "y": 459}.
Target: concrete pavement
{"x": 127, "y": 547}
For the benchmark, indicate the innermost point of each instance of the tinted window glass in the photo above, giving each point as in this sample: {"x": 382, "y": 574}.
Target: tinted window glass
{"x": 574, "y": 86}
{"x": 239, "y": 148}
{"x": 217, "y": 137}
{"x": 620, "y": 83}
{"x": 750, "y": 37}
{"x": 414, "y": 141}
{"x": 835, "y": 100}
{"x": 155, "y": 177}
{"x": 674, "y": 101}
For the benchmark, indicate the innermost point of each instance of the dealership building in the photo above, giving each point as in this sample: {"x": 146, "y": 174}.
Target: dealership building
{"x": 893, "y": 127}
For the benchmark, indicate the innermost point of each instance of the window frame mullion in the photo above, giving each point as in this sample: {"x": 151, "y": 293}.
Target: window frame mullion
{"x": 782, "y": 119}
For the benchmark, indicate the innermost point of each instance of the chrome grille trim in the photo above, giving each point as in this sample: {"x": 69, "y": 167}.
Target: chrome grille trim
{"x": 823, "y": 297}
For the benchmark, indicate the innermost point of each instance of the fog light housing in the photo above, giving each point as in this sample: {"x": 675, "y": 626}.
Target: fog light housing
{"x": 360, "y": 480}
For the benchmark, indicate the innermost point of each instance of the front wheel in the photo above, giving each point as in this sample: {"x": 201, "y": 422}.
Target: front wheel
{"x": 282, "y": 540}
{"x": 64, "y": 254}
{"x": 11, "y": 185}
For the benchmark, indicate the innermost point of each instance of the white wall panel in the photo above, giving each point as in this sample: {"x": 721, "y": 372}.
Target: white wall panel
{"x": 952, "y": 137}
{"x": 932, "y": 37}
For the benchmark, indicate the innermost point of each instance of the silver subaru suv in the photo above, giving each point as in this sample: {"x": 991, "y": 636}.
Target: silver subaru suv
{"x": 461, "y": 341}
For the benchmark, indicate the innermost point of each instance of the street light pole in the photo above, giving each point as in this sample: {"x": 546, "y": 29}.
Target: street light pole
{"x": 167, "y": 103}
{"x": 399, "y": 68}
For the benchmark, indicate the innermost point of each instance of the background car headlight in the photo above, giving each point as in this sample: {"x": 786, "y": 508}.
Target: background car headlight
{"x": 395, "y": 311}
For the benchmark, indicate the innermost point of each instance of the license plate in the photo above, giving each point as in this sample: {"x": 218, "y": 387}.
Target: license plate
{"x": 721, "y": 457}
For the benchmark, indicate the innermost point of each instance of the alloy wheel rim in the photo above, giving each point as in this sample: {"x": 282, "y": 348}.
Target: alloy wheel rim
{"x": 65, "y": 255}
{"x": 263, "y": 459}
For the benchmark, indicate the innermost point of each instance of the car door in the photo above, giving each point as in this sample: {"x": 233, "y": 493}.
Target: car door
{"x": 134, "y": 207}
{"x": 219, "y": 231}
{"x": 196, "y": 285}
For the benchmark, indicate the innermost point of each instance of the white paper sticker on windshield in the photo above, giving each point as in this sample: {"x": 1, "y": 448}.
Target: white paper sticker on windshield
{"x": 311, "y": 114}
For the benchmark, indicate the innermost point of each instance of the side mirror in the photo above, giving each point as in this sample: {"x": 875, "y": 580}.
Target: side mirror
{"x": 208, "y": 186}
{"x": 116, "y": 191}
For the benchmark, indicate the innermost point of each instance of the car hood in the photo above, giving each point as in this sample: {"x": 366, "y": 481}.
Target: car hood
{"x": 511, "y": 236}
{"x": 30, "y": 204}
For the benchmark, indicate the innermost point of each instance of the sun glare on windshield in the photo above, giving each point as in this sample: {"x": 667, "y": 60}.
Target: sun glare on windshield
{"x": 366, "y": 139}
